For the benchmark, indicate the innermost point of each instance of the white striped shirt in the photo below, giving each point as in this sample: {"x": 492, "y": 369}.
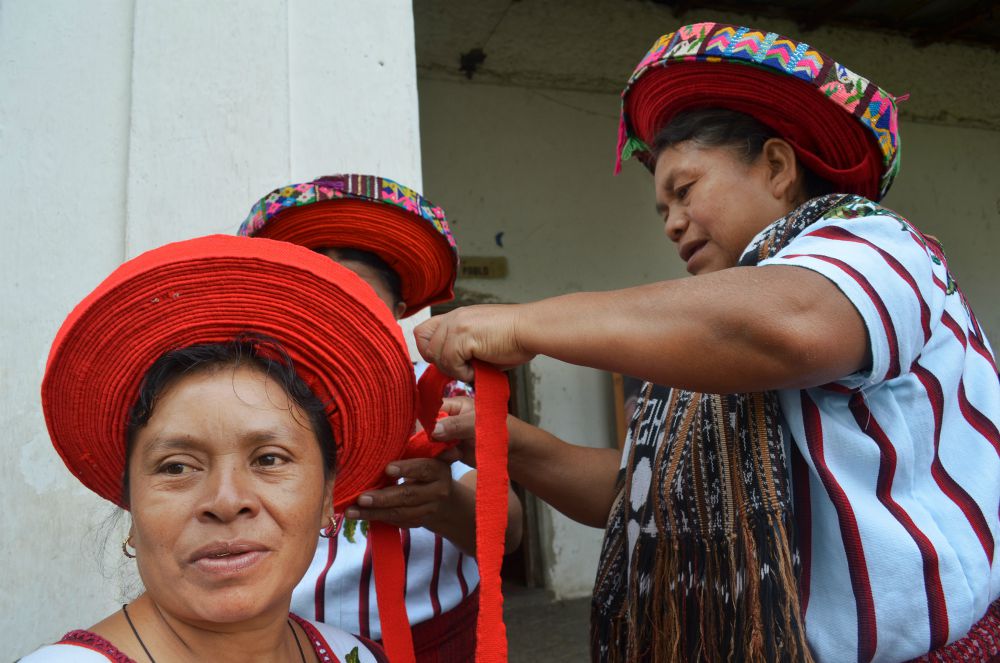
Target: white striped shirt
{"x": 896, "y": 472}
{"x": 339, "y": 587}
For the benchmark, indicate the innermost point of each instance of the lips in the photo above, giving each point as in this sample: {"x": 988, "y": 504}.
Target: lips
{"x": 688, "y": 249}
{"x": 229, "y": 557}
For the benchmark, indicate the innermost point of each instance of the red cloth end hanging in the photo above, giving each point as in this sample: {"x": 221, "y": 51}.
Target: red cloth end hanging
{"x": 390, "y": 591}
{"x": 492, "y": 394}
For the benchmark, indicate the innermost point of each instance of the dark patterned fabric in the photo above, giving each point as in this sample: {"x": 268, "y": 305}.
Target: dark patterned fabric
{"x": 698, "y": 562}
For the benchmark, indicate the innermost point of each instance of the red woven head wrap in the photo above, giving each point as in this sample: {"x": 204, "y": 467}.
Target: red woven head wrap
{"x": 343, "y": 343}
{"x": 370, "y": 213}
{"x": 841, "y": 126}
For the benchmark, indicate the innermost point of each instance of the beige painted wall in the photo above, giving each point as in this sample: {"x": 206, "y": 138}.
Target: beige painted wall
{"x": 526, "y": 149}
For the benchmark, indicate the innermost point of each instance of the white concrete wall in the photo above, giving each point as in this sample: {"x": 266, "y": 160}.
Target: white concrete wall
{"x": 527, "y": 147}
{"x": 126, "y": 125}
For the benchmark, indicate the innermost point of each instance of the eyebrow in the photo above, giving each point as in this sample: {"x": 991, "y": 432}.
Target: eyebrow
{"x": 171, "y": 442}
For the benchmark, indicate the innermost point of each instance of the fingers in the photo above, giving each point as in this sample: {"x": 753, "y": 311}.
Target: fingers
{"x": 457, "y": 427}
{"x": 436, "y": 340}
{"x": 443, "y": 342}
{"x": 423, "y": 333}
{"x": 450, "y": 455}
{"x": 457, "y": 405}
{"x": 403, "y": 505}
{"x": 422, "y": 470}
{"x": 426, "y": 487}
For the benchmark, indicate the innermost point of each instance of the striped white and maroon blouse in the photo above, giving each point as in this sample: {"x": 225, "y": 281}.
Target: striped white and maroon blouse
{"x": 896, "y": 472}
{"x": 339, "y": 587}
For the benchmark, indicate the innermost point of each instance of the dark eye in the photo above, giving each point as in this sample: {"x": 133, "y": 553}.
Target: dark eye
{"x": 174, "y": 469}
{"x": 682, "y": 192}
{"x": 269, "y": 460}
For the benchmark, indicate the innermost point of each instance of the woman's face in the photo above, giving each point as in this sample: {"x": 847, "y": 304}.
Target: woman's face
{"x": 372, "y": 278}
{"x": 228, "y": 493}
{"x": 713, "y": 202}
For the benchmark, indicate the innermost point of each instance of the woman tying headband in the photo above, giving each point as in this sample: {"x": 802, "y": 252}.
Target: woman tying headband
{"x": 232, "y": 394}
{"x": 820, "y": 479}
{"x": 400, "y": 244}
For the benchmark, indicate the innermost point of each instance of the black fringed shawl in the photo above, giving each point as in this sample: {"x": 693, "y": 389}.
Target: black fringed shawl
{"x": 699, "y": 562}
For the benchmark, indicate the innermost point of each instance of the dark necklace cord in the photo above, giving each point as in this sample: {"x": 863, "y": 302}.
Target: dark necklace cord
{"x": 135, "y": 632}
{"x": 297, "y": 643}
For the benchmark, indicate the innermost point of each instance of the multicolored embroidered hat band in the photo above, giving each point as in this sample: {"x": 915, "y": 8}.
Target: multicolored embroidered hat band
{"x": 369, "y": 213}
{"x": 843, "y": 127}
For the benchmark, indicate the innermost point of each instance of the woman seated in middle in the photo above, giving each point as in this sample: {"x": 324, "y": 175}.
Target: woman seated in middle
{"x": 400, "y": 244}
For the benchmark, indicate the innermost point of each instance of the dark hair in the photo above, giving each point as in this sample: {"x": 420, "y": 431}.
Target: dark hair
{"x": 247, "y": 349}
{"x": 390, "y": 279}
{"x": 718, "y": 127}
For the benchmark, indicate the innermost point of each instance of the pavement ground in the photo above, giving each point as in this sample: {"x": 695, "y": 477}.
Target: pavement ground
{"x": 541, "y": 629}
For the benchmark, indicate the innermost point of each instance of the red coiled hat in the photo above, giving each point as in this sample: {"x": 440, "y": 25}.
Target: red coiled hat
{"x": 343, "y": 343}
{"x": 371, "y": 213}
{"x": 842, "y": 127}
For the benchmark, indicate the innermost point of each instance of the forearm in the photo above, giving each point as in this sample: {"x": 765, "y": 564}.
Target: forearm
{"x": 577, "y": 481}
{"x": 457, "y": 522}
{"x": 715, "y": 333}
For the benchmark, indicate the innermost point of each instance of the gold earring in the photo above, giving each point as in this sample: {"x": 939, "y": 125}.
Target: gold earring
{"x": 125, "y": 544}
{"x": 331, "y": 530}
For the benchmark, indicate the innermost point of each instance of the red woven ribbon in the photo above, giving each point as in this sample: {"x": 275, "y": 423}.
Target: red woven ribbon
{"x": 414, "y": 250}
{"x": 492, "y": 393}
{"x": 826, "y": 139}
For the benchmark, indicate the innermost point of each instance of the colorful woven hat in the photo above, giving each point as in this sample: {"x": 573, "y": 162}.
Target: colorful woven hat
{"x": 342, "y": 341}
{"x": 404, "y": 229}
{"x": 842, "y": 127}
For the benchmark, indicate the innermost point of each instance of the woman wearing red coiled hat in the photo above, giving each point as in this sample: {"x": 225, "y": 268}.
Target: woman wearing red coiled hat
{"x": 820, "y": 477}
{"x": 223, "y": 391}
{"x": 401, "y": 245}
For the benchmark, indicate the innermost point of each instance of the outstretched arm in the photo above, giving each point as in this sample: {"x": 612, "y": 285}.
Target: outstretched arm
{"x": 739, "y": 329}
{"x": 578, "y": 481}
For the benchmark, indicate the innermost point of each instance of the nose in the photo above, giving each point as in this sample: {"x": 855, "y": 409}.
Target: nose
{"x": 675, "y": 225}
{"x": 229, "y": 494}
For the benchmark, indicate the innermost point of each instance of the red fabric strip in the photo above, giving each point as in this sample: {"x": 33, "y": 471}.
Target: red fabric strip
{"x": 390, "y": 591}
{"x": 492, "y": 393}
{"x": 828, "y": 141}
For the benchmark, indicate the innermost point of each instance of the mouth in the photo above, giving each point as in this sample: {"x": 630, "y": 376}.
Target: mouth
{"x": 229, "y": 557}
{"x": 688, "y": 250}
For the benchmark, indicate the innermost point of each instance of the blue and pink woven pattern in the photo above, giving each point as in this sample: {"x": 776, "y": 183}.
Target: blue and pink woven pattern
{"x": 873, "y": 107}
{"x": 359, "y": 187}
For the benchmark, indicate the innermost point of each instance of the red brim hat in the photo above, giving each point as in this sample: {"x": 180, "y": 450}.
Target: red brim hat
{"x": 841, "y": 126}
{"x": 343, "y": 343}
{"x": 341, "y": 338}
{"x": 370, "y": 213}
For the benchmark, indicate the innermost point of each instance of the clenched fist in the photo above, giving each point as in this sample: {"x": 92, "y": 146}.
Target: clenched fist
{"x": 486, "y": 332}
